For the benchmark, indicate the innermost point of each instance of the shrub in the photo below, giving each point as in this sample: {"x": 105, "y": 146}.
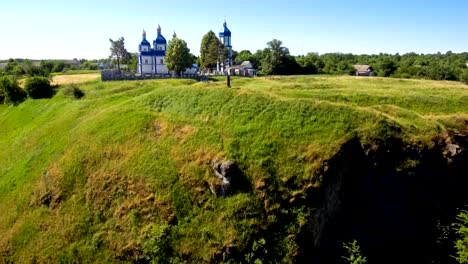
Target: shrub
{"x": 464, "y": 76}
{"x": 354, "y": 253}
{"x": 461, "y": 244}
{"x": 10, "y": 92}
{"x": 38, "y": 87}
{"x": 73, "y": 91}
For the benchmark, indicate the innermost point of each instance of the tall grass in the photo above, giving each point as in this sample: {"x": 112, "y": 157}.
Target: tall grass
{"x": 91, "y": 180}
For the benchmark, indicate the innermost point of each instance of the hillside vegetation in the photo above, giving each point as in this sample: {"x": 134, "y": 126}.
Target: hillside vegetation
{"x": 124, "y": 174}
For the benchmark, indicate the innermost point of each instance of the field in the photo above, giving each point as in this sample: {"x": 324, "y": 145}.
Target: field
{"x": 77, "y": 78}
{"x": 122, "y": 175}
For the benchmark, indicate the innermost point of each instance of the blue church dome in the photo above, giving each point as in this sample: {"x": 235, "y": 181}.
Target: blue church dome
{"x": 160, "y": 39}
{"x": 225, "y": 32}
{"x": 144, "y": 42}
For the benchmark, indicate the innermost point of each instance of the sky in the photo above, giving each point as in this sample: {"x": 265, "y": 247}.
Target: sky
{"x": 61, "y": 29}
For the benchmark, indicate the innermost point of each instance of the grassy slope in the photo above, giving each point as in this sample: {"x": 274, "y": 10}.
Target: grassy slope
{"x": 94, "y": 179}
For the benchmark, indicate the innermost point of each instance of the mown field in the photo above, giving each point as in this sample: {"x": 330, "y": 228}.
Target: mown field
{"x": 123, "y": 174}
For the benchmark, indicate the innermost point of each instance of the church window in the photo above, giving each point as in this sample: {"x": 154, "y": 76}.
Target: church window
{"x": 146, "y": 61}
{"x": 162, "y": 61}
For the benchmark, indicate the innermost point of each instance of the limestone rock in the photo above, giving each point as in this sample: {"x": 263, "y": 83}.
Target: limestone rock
{"x": 224, "y": 171}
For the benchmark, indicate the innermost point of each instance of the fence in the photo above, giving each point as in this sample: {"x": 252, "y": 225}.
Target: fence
{"x": 111, "y": 75}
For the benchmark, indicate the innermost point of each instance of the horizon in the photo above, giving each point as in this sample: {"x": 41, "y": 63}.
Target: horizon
{"x": 50, "y": 30}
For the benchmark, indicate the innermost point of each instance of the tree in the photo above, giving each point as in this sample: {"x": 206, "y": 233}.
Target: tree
{"x": 313, "y": 63}
{"x": 31, "y": 69}
{"x": 273, "y": 56}
{"x": 211, "y": 51}
{"x": 178, "y": 55}
{"x": 387, "y": 67}
{"x": 464, "y": 76}
{"x": 10, "y": 92}
{"x": 13, "y": 68}
{"x": 244, "y": 55}
{"x": 118, "y": 51}
{"x": 46, "y": 67}
{"x": 133, "y": 61}
{"x": 59, "y": 66}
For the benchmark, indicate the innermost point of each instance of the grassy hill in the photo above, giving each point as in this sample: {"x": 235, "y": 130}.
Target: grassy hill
{"x": 124, "y": 174}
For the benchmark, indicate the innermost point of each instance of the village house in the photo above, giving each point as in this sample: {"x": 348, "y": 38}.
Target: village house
{"x": 244, "y": 69}
{"x": 364, "y": 70}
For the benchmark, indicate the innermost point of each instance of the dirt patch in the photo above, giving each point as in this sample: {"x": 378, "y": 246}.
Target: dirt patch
{"x": 48, "y": 192}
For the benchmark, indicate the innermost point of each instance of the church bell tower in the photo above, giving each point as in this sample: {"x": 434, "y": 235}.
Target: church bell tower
{"x": 225, "y": 38}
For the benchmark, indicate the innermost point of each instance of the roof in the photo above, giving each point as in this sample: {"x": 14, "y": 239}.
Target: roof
{"x": 160, "y": 39}
{"x": 144, "y": 42}
{"x": 245, "y": 65}
{"x": 161, "y": 53}
{"x": 225, "y": 32}
{"x": 363, "y": 68}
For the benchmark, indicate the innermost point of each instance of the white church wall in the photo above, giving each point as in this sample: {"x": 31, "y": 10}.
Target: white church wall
{"x": 161, "y": 67}
{"x": 147, "y": 68}
{"x": 146, "y": 60}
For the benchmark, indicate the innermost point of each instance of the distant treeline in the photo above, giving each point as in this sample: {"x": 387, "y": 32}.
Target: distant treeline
{"x": 19, "y": 67}
{"x": 276, "y": 59}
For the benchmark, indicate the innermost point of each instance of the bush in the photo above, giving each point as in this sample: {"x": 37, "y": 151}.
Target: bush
{"x": 461, "y": 244}
{"x": 73, "y": 91}
{"x": 10, "y": 92}
{"x": 38, "y": 87}
{"x": 464, "y": 76}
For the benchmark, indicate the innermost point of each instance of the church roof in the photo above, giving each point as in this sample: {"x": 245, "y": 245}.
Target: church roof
{"x": 144, "y": 42}
{"x": 160, "y": 39}
{"x": 225, "y": 32}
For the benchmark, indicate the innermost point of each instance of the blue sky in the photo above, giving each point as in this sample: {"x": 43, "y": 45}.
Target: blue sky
{"x": 53, "y": 29}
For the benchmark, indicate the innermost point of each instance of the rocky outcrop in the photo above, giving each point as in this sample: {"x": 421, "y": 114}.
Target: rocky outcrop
{"x": 228, "y": 178}
{"x": 398, "y": 202}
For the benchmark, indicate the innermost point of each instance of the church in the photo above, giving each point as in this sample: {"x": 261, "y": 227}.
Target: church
{"x": 152, "y": 60}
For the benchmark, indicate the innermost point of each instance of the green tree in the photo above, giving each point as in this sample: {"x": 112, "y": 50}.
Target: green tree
{"x": 313, "y": 62}
{"x": 133, "y": 61}
{"x": 354, "y": 254}
{"x": 273, "y": 56}
{"x": 244, "y": 55}
{"x": 345, "y": 68}
{"x": 118, "y": 51}
{"x": 31, "y": 69}
{"x": 464, "y": 76}
{"x": 178, "y": 55}
{"x": 13, "y": 68}
{"x": 10, "y": 92}
{"x": 59, "y": 66}
{"x": 38, "y": 87}
{"x": 46, "y": 67}
{"x": 211, "y": 51}
{"x": 387, "y": 67}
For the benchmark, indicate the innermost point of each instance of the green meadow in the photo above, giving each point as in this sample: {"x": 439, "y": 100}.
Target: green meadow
{"x": 123, "y": 174}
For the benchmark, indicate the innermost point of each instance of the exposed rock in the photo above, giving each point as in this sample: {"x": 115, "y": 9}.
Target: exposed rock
{"x": 224, "y": 171}
{"x": 452, "y": 150}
